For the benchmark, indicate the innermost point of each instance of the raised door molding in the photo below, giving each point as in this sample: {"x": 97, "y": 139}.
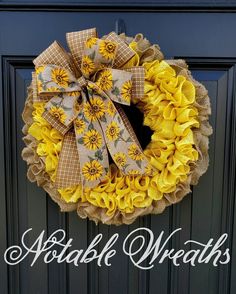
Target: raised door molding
{"x": 213, "y": 199}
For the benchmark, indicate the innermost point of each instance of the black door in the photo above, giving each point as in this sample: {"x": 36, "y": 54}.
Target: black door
{"x": 206, "y": 38}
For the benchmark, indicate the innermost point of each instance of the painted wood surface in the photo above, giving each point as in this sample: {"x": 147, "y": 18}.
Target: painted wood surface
{"x": 207, "y": 40}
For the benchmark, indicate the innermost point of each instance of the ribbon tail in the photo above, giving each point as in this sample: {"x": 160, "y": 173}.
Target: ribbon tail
{"x": 68, "y": 169}
{"x": 121, "y": 140}
{"x": 138, "y": 78}
{"x": 91, "y": 146}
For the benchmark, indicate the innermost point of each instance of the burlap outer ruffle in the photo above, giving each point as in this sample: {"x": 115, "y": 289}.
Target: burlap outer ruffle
{"x": 36, "y": 170}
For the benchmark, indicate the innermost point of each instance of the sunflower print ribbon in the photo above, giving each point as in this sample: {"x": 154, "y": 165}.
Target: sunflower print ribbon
{"x": 83, "y": 91}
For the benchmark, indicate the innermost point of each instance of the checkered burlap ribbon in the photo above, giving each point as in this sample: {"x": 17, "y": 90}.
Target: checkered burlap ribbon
{"x": 85, "y": 110}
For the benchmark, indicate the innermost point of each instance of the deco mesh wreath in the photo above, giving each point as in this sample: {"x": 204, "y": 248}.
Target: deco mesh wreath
{"x": 80, "y": 145}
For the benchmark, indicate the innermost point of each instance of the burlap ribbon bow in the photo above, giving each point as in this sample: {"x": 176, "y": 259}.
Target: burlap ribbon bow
{"x": 82, "y": 90}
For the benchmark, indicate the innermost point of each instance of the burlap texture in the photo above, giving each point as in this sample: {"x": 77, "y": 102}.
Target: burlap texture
{"x": 146, "y": 50}
{"x": 36, "y": 171}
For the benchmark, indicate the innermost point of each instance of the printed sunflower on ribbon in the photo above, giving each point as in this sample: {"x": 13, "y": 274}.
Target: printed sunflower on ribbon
{"x": 86, "y": 153}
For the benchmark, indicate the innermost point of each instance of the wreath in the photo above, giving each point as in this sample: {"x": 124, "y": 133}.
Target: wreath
{"x": 81, "y": 147}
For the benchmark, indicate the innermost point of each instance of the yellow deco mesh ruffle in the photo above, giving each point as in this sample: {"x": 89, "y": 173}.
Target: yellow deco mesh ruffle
{"x": 171, "y": 111}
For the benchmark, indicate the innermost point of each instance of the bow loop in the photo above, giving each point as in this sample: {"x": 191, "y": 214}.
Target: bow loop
{"x": 62, "y": 86}
{"x": 55, "y": 54}
{"x": 76, "y": 41}
{"x": 98, "y": 54}
{"x": 124, "y": 53}
{"x": 53, "y": 79}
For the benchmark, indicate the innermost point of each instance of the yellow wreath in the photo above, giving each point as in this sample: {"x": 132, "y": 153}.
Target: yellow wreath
{"x": 175, "y": 108}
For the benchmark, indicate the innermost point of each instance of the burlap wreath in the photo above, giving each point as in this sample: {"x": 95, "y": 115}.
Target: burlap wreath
{"x": 105, "y": 204}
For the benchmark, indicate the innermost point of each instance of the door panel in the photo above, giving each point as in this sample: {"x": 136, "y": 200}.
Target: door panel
{"x": 205, "y": 40}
